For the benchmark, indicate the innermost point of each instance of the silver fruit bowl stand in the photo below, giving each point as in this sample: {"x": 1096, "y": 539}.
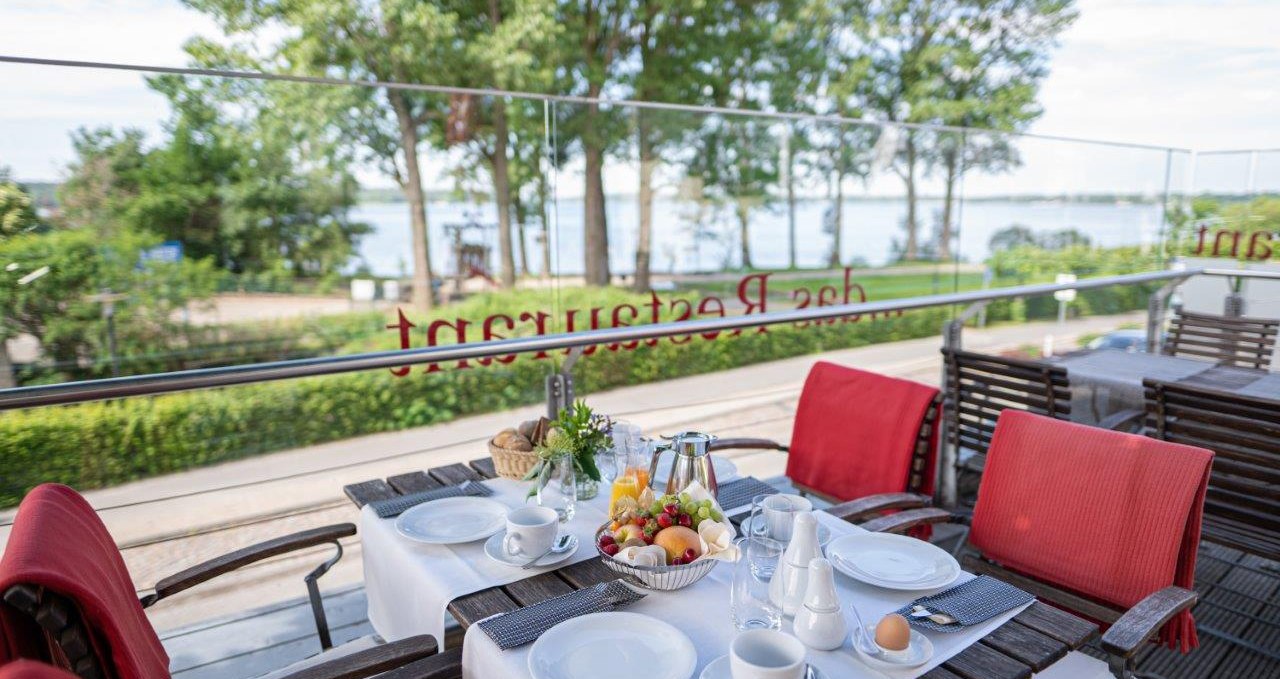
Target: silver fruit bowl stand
{"x": 662, "y": 578}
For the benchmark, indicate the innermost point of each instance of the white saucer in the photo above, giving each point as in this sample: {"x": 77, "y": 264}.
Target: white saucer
{"x": 493, "y": 549}
{"x": 719, "y": 669}
{"x": 919, "y": 651}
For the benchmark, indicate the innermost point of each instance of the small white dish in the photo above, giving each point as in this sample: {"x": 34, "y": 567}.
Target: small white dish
{"x": 616, "y": 645}
{"x": 493, "y": 549}
{"x": 918, "y": 652}
{"x": 452, "y": 520}
{"x": 725, "y": 470}
{"x": 719, "y": 669}
{"x": 893, "y": 561}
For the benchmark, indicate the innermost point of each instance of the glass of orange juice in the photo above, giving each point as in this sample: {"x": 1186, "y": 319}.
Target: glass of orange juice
{"x": 626, "y": 485}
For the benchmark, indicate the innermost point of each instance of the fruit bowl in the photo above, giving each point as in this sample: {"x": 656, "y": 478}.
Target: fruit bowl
{"x": 663, "y": 578}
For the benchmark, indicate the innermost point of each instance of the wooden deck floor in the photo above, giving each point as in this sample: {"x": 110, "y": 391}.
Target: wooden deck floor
{"x": 1241, "y": 599}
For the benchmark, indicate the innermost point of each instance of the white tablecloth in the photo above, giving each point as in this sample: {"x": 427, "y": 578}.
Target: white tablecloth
{"x": 702, "y": 612}
{"x": 410, "y": 584}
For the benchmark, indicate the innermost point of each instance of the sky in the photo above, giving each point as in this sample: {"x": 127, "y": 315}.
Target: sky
{"x": 1191, "y": 74}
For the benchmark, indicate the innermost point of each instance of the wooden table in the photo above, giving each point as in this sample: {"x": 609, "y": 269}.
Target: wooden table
{"x": 1031, "y": 642}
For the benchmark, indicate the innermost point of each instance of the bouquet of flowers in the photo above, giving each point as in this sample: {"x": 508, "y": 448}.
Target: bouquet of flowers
{"x": 578, "y": 432}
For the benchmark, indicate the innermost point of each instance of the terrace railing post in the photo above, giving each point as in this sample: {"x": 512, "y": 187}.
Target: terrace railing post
{"x": 1155, "y": 314}
{"x": 1234, "y": 304}
{"x": 952, "y": 336}
{"x": 560, "y": 392}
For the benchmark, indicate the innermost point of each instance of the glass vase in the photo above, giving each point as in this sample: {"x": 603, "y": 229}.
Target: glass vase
{"x": 560, "y": 492}
{"x": 587, "y": 487}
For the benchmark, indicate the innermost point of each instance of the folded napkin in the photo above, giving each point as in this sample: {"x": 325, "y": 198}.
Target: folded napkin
{"x": 647, "y": 555}
{"x": 739, "y": 493}
{"x": 395, "y": 506}
{"x": 978, "y": 600}
{"x": 522, "y": 626}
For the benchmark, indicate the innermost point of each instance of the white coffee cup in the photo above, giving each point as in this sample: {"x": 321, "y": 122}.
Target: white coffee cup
{"x": 766, "y": 654}
{"x": 530, "y": 531}
{"x": 780, "y": 513}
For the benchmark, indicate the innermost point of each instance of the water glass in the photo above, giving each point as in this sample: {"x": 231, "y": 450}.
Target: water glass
{"x": 749, "y": 603}
{"x": 560, "y": 492}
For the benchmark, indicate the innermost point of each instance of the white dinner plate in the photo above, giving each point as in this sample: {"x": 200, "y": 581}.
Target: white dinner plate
{"x": 725, "y": 469}
{"x": 613, "y": 645}
{"x": 452, "y": 520}
{"x": 493, "y": 550}
{"x": 892, "y": 561}
{"x": 919, "y": 651}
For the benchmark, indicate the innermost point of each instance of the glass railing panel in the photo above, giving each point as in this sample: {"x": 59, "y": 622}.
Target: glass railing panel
{"x": 1232, "y": 220}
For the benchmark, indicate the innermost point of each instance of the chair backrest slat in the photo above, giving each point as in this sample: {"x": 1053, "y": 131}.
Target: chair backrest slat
{"x": 980, "y": 386}
{"x": 1244, "y": 433}
{"x": 1231, "y": 340}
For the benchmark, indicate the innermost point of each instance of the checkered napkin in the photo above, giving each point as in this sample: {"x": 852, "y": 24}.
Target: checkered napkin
{"x": 522, "y": 626}
{"x": 395, "y": 506}
{"x": 980, "y": 599}
{"x": 738, "y": 493}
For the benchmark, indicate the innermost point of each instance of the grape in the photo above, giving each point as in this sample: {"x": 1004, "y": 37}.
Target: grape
{"x": 716, "y": 516}
{"x": 705, "y": 503}
{"x": 704, "y": 513}
{"x": 655, "y": 508}
{"x": 684, "y": 497}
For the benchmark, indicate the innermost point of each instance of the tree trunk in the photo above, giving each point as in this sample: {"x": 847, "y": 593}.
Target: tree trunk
{"x": 596, "y": 231}
{"x": 644, "y": 244}
{"x": 423, "y": 297}
{"x": 546, "y": 225}
{"x": 944, "y": 238}
{"x": 911, "y": 250}
{"x": 837, "y": 240}
{"x": 791, "y": 208}
{"x": 7, "y": 380}
{"x": 521, "y": 213}
{"x": 502, "y": 194}
{"x": 744, "y": 219}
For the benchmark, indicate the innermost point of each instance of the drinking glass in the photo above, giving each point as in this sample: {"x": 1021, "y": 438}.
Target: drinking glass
{"x": 749, "y": 603}
{"x": 560, "y": 492}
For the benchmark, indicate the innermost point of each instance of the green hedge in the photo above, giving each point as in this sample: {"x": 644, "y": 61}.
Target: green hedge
{"x": 100, "y": 444}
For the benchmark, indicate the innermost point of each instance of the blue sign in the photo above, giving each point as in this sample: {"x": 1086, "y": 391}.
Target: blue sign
{"x": 169, "y": 252}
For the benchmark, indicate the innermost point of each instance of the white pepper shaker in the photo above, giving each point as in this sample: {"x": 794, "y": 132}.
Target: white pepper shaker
{"x": 819, "y": 624}
{"x": 790, "y": 578}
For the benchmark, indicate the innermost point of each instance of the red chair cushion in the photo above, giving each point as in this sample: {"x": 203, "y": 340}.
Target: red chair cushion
{"x": 29, "y": 669}
{"x": 59, "y": 542}
{"x": 855, "y": 432}
{"x": 1109, "y": 515}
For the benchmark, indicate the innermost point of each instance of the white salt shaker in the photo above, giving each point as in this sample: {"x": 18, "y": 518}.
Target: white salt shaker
{"x": 819, "y": 623}
{"x": 791, "y": 577}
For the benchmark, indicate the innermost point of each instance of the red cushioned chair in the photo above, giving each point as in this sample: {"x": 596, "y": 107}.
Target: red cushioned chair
{"x": 863, "y": 439}
{"x": 68, "y": 599}
{"x": 1098, "y": 522}
{"x": 29, "y": 669}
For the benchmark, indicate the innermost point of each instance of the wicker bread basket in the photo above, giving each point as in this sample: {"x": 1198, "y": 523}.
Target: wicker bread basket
{"x": 510, "y": 463}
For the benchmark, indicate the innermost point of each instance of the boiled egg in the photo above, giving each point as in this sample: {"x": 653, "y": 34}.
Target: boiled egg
{"x": 893, "y": 633}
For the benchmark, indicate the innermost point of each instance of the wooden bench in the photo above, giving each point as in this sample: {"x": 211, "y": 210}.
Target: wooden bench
{"x": 1230, "y": 340}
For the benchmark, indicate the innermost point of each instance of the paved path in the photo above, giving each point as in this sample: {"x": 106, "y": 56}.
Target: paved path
{"x": 166, "y": 523}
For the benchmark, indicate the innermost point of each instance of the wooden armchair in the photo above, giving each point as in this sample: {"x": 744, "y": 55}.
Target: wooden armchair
{"x": 839, "y": 408}
{"x": 1050, "y": 519}
{"x": 56, "y": 627}
{"x": 1242, "y": 506}
{"x": 1229, "y": 340}
{"x": 977, "y": 388}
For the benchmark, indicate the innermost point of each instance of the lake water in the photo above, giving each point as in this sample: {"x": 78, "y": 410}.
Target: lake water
{"x": 870, "y": 227}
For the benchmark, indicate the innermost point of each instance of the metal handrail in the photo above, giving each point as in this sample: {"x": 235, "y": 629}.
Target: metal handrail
{"x": 205, "y": 378}
{"x": 566, "y": 99}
